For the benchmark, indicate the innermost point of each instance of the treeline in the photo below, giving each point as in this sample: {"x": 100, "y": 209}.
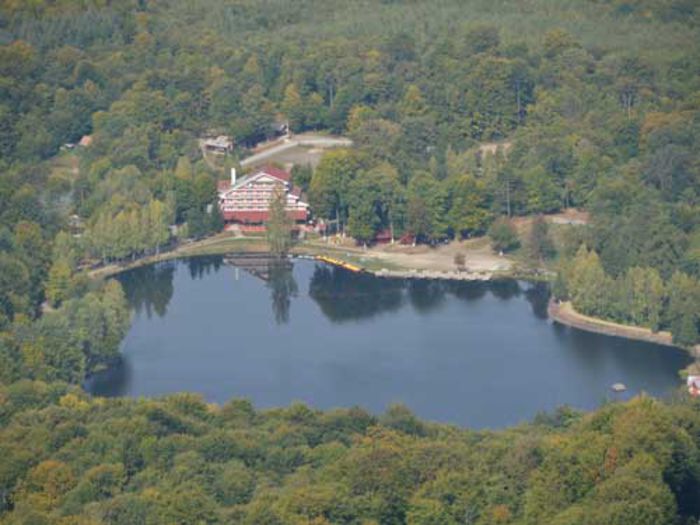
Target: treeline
{"x": 129, "y": 233}
{"x": 639, "y": 296}
{"x": 133, "y": 218}
{"x": 71, "y": 458}
{"x": 24, "y": 261}
{"x": 349, "y": 189}
{"x": 68, "y": 343}
{"x": 456, "y": 121}
{"x": 579, "y": 122}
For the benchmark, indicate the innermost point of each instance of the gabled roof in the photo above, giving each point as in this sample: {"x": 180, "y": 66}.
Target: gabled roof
{"x": 267, "y": 171}
{"x": 243, "y": 181}
{"x": 276, "y": 172}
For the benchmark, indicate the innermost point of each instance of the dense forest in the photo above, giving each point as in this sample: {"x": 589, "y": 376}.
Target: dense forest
{"x": 71, "y": 459}
{"x": 464, "y": 115}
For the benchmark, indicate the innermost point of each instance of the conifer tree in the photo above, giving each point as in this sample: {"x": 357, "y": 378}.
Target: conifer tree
{"x": 279, "y": 225}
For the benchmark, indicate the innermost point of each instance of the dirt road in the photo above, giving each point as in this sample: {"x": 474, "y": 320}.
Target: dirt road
{"x": 308, "y": 141}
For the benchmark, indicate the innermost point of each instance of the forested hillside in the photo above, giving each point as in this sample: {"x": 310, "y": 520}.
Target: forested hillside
{"x": 594, "y": 105}
{"x": 69, "y": 459}
{"x": 464, "y": 114}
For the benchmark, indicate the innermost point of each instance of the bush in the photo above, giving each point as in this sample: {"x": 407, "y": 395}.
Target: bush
{"x": 504, "y": 236}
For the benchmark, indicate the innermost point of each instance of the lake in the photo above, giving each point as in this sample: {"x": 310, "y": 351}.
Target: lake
{"x": 469, "y": 353}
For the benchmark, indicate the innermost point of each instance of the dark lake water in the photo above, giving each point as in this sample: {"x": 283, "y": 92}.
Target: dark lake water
{"x": 472, "y": 354}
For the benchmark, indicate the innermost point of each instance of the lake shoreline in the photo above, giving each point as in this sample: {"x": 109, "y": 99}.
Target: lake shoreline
{"x": 222, "y": 244}
{"x": 564, "y": 314}
{"x": 216, "y": 245}
{"x": 435, "y": 335}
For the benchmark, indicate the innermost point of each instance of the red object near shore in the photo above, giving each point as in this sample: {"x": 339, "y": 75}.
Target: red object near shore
{"x": 383, "y": 237}
{"x": 407, "y": 238}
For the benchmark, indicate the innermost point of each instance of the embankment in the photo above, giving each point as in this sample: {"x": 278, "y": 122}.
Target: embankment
{"x": 565, "y": 314}
{"x": 428, "y": 274}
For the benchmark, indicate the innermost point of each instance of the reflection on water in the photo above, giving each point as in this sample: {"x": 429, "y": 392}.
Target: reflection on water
{"x": 283, "y": 287}
{"x": 150, "y": 288}
{"x": 472, "y": 353}
{"x": 505, "y": 289}
{"x": 200, "y": 267}
{"x": 426, "y": 295}
{"x": 537, "y": 295}
{"x": 342, "y": 295}
{"x": 346, "y": 296}
{"x": 114, "y": 381}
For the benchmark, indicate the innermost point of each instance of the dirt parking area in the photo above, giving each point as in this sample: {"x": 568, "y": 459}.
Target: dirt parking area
{"x": 297, "y": 156}
{"x": 478, "y": 256}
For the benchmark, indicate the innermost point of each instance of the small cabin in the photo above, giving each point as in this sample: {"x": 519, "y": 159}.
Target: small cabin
{"x": 280, "y": 128}
{"x": 383, "y": 237}
{"x": 220, "y": 145}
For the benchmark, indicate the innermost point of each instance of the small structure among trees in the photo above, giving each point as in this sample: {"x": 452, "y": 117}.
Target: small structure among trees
{"x": 220, "y": 145}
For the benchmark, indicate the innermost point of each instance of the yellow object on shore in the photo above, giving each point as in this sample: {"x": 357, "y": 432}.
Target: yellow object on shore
{"x": 338, "y": 262}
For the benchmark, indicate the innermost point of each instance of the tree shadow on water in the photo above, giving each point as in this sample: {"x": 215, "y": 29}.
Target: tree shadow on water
{"x": 201, "y": 266}
{"x": 426, "y": 295}
{"x": 346, "y": 296}
{"x": 505, "y": 288}
{"x": 538, "y": 297}
{"x": 283, "y": 287}
{"x": 149, "y": 288}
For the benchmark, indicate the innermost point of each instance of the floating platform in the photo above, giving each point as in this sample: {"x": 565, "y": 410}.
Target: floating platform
{"x": 339, "y": 263}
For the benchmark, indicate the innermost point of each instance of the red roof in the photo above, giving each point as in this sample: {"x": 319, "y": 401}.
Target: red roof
{"x": 296, "y": 192}
{"x": 223, "y": 185}
{"x": 383, "y": 236}
{"x": 277, "y": 173}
